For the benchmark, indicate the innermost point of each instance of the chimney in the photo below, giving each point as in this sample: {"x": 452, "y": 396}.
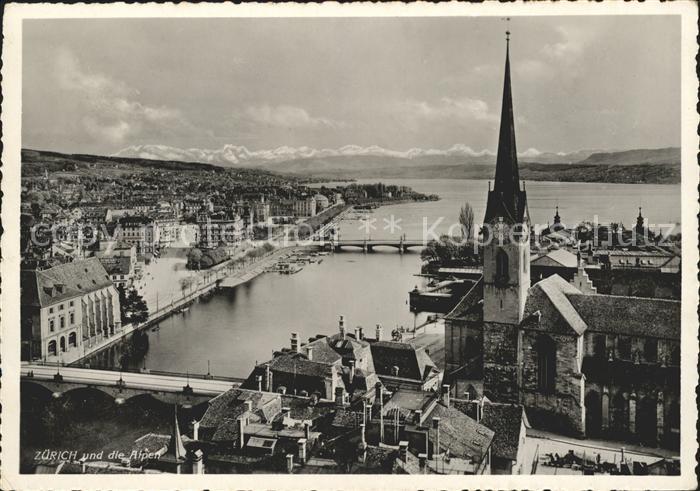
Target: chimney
{"x": 361, "y": 331}
{"x": 268, "y": 378}
{"x": 259, "y": 380}
{"x": 295, "y": 342}
{"x": 282, "y": 389}
{"x": 339, "y": 396}
{"x": 422, "y": 457}
{"x": 341, "y": 326}
{"x": 378, "y": 393}
{"x": 395, "y": 371}
{"x": 446, "y": 394}
{"x": 307, "y": 430}
{"x": 362, "y": 433}
{"x": 249, "y": 406}
{"x": 352, "y": 371}
{"x": 436, "y": 426}
{"x": 290, "y": 463}
{"x": 198, "y": 461}
{"x": 302, "y": 449}
{"x": 418, "y": 415}
{"x": 358, "y": 331}
{"x": 403, "y": 450}
{"x": 286, "y": 412}
{"x": 241, "y": 433}
{"x": 378, "y": 332}
{"x": 310, "y": 352}
{"x": 195, "y": 429}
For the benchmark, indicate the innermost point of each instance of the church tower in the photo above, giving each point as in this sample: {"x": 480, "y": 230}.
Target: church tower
{"x": 506, "y": 260}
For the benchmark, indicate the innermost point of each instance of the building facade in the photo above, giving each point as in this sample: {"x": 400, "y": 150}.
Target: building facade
{"x": 66, "y": 307}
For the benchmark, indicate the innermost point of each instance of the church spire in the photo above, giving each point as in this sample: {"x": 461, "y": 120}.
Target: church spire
{"x": 176, "y": 447}
{"x": 507, "y": 200}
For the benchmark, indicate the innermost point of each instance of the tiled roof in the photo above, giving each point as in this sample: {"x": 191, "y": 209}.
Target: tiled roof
{"x": 461, "y": 435}
{"x": 49, "y": 286}
{"x": 230, "y": 405}
{"x": 506, "y": 421}
{"x": 322, "y": 352}
{"x": 560, "y": 257}
{"x": 469, "y": 306}
{"x": 413, "y": 363}
{"x": 633, "y": 316}
{"x": 117, "y": 265}
{"x": 292, "y": 363}
{"x": 555, "y": 289}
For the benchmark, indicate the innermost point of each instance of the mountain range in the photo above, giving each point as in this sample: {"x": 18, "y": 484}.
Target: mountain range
{"x": 658, "y": 166}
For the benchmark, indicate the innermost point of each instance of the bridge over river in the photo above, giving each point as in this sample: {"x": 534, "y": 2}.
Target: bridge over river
{"x": 368, "y": 245}
{"x": 171, "y": 388}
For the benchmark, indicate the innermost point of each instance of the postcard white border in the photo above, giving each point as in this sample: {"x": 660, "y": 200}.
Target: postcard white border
{"x": 9, "y": 268}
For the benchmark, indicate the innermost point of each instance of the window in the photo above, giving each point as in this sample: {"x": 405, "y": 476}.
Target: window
{"x": 62, "y": 321}
{"x": 72, "y": 340}
{"x": 546, "y": 364}
{"x": 651, "y": 350}
{"x": 50, "y": 310}
{"x": 63, "y": 344}
{"x": 61, "y": 306}
{"x": 501, "y": 267}
{"x": 52, "y": 348}
{"x": 72, "y": 318}
{"x": 71, "y": 303}
{"x": 676, "y": 355}
{"x": 52, "y": 325}
{"x": 624, "y": 347}
{"x": 599, "y": 345}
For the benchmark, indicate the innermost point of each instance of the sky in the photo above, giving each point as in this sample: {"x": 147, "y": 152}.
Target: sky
{"x": 100, "y": 85}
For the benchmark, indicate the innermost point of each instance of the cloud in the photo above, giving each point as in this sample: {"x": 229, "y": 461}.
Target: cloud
{"x": 110, "y": 109}
{"x": 574, "y": 41}
{"x": 285, "y": 116}
{"x": 447, "y": 109}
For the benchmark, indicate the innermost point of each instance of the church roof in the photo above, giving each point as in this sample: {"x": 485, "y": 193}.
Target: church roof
{"x": 507, "y": 200}
{"x": 555, "y": 299}
{"x": 555, "y": 290}
{"x": 632, "y": 316}
{"x": 559, "y": 257}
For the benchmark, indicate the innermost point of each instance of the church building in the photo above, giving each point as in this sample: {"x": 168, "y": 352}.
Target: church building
{"x": 579, "y": 362}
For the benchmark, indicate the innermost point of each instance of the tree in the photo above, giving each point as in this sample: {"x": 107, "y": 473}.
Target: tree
{"x": 194, "y": 256}
{"x": 466, "y": 220}
{"x": 132, "y": 306}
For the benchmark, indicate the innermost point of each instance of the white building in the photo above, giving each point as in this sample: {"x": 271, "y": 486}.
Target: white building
{"x": 67, "y": 308}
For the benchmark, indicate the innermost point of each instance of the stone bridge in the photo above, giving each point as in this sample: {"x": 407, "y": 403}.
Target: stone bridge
{"x": 368, "y": 245}
{"x": 170, "y": 388}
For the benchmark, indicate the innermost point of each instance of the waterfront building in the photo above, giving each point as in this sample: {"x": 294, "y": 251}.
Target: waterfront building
{"x": 321, "y": 202}
{"x": 220, "y": 231}
{"x": 65, "y": 308}
{"x": 141, "y": 231}
{"x": 305, "y": 207}
{"x": 120, "y": 270}
{"x": 580, "y": 363}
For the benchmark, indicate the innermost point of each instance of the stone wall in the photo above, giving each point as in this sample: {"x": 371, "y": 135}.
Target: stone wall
{"x": 563, "y": 409}
{"x": 501, "y": 352}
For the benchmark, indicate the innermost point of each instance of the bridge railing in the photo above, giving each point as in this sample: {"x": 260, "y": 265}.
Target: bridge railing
{"x": 198, "y": 376}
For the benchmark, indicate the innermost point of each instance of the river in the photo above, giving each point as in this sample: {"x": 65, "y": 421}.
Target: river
{"x": 235, "y": 328}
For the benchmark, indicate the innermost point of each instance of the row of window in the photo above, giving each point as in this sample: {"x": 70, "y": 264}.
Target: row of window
{"x": 53, "y": 346}
{"x": 62, "y": 321}
{"x": 62, "y": 306}
{"x": 623, "y": 348}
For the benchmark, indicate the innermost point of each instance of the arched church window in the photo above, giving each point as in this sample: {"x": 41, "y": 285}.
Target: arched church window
{"x": 651, "y": 350}
{"x": 546, "y": 364}
{"x": 624, "y": 347}
{"x": 501, "y": 267}
{"x": 599, "y": 345}
{"x": 676, "y": 355}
